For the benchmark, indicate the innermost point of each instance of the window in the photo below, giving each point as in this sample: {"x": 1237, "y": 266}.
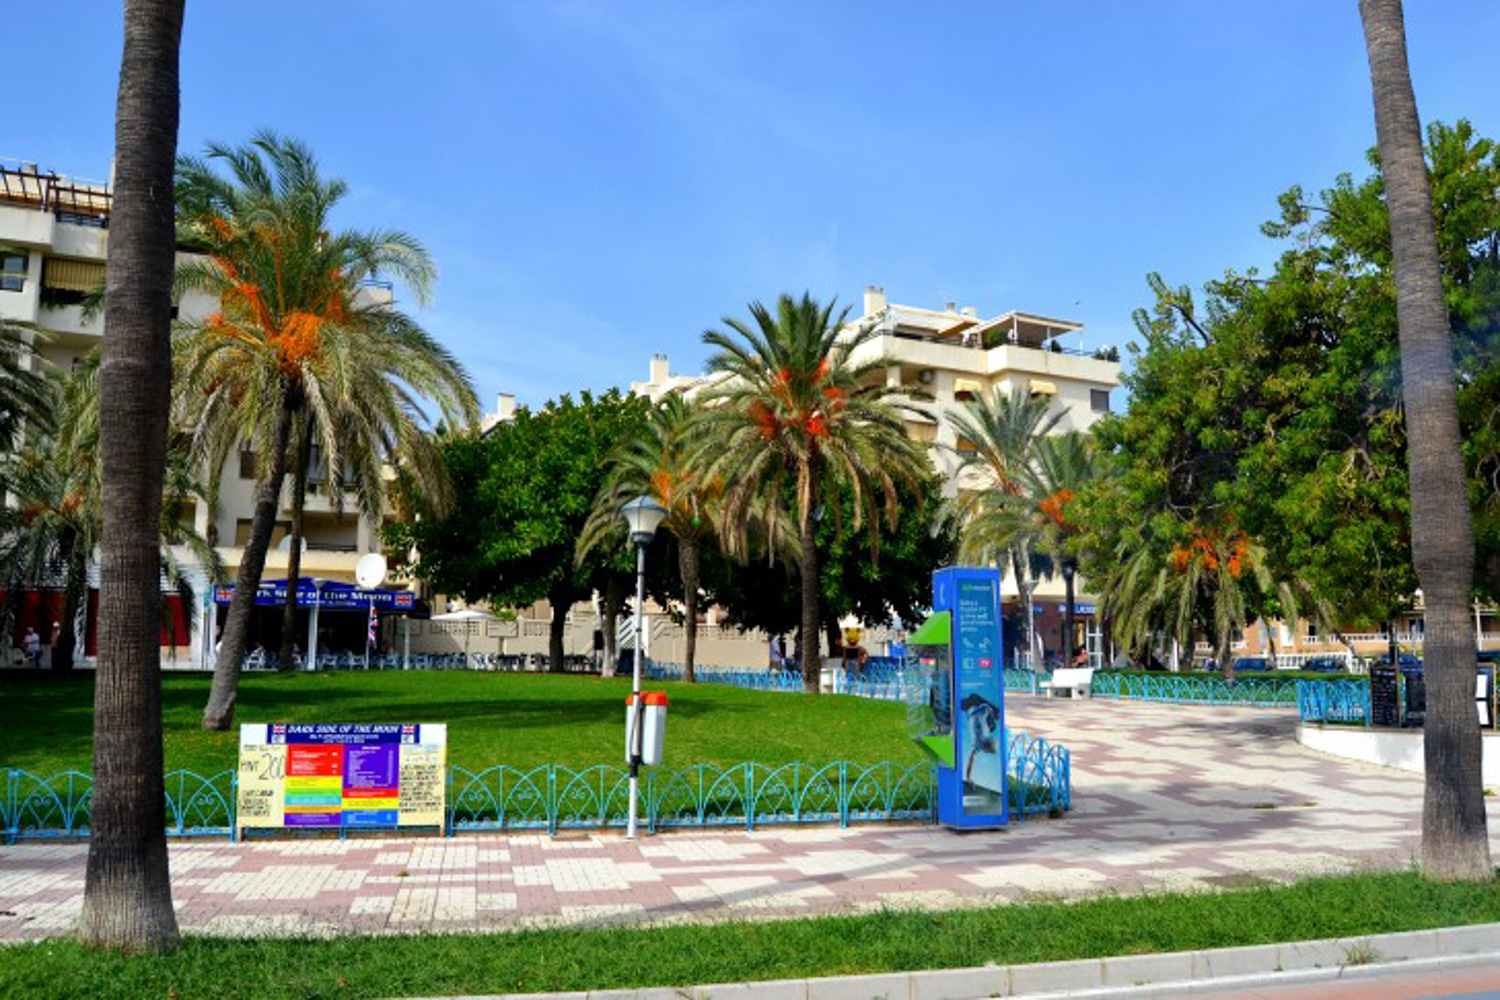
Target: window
{"x": 1312, "y": 631}
{"x": 967, "y": 445}
{"x": 247, "y": 464}
{"x": 12, "y": 272}
{"x": 1100, "y": 400}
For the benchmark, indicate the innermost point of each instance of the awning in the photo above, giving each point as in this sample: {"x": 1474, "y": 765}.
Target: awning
{"x": 72, "y": 275}
{"x": 1041, "y": 387}
{"x": 935, "y": 631}
{"x": 327, "y": 594}
{"x": 968, "y": 385}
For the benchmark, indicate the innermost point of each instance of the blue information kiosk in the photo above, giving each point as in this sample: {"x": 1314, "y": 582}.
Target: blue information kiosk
{"x": 960, "y": 655}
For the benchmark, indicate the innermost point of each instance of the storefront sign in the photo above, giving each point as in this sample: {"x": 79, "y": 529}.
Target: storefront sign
{"x": 328, "y": 594}
{"x": 312, "y": 776}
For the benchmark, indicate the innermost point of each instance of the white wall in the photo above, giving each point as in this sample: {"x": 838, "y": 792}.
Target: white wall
{"x": 1397, "y": 748}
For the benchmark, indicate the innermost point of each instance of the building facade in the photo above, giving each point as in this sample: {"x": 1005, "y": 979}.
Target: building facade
{"x": 954, "y": 355}
{"x": 53, "y": 234}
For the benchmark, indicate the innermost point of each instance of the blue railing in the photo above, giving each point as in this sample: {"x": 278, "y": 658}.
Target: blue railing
{"x": 58, "y": 805}
{"x": 748, "y": 794}
{"x": 1259, "y": 692}
{"x": 1334, "y": 701}
{"x": 550, "y": 797}
{"x": 1029, "y": 681}
{"x": 753, "y": 680}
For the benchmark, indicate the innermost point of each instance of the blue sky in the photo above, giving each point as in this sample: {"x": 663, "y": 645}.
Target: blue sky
{"x": 599, "y": 181}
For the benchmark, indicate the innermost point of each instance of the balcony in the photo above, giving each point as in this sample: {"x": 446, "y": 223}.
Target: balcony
{"x": 70, "y": 319}
{"x": 944, "y": 353}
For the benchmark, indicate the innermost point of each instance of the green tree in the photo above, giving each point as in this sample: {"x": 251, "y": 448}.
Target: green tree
{"x": 1037, "y": 514}
{"x": 1455, "y": 841}
{"x": 1000, "y": 433}
{"x": 25, "y": 390}
{"x": 51, "y": 530}
{"x": 523, "y": 493}
{"x": 658, "y": 463}
{"x": 797, "y": 410}
{"x": 127, "y": 895}
{"x": 759, "y": 591}
{"x": 297, "y": 348}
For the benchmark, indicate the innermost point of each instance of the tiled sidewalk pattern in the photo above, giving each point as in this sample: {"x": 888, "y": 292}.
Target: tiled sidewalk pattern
{"x": 1163, "y": 796}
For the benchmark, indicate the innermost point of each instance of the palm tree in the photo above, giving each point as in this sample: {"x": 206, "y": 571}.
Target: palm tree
{"x": 127, "y": 897}
{"x": 1455, "y": 841}
{"x": 1218, "y": 579}
{"x": 1035, "y": 517}
{"x": 1000, "y": 432}
{"x": 796, "y": 412}
{"x": 297, "y": 343}
{"x": 659, "y": 463}
{"x": 25, "y": 390}
{"x": 51, "y": 531}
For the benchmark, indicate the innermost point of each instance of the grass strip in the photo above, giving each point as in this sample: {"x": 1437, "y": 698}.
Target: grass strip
{"x": 577, "y": 959}
{"x": 523, "y": 720}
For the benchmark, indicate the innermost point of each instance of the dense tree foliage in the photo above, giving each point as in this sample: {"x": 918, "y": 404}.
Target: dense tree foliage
{"x": 1275, "y": 409}
{"x": 762, "y": 591}
{"x": 522, "y": 495}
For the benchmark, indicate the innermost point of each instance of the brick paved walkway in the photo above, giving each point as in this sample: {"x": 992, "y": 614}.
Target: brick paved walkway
{"x": 1164, "y": 796}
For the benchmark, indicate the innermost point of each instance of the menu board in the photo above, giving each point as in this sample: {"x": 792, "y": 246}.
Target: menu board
{"x": 977, "y": 646}
{"x": 1385, "y": 709}
{"x": 311, "y": 776}
{"x": 1415, "y": 683}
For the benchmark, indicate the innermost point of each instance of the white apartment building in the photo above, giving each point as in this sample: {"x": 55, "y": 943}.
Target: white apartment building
{"x": 53, "y": 233}
{"x": 955, "y": 355}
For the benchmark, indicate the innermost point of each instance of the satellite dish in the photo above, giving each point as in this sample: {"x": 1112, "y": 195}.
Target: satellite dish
{"x": 369, "y": 573}
{"x": 285, "y": 545}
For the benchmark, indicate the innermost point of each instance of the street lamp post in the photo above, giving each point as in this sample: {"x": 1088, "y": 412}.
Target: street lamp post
{"x": 1069, "y": 567}
{"x": 642, "y": 515}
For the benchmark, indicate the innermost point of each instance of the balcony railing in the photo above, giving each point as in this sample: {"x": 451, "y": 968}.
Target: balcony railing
{"x": 72, "y": 201}
{"x": 332, "y": 547}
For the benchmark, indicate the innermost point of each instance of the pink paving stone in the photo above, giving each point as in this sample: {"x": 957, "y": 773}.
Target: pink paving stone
{"x": 1201, "y": 770}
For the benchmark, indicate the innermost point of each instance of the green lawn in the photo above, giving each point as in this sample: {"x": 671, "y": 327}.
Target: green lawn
{"x": 556, "y": 959}
{"x": 518, "y": 719}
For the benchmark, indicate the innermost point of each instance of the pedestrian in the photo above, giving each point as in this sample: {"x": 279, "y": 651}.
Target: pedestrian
{"x": 32, "y": 643}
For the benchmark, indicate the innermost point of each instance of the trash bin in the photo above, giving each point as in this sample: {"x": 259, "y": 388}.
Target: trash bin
{"x": 654, "y": 726}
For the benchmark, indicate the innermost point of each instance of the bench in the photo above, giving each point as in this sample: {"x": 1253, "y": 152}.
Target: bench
{"x": 1074, "y": 681}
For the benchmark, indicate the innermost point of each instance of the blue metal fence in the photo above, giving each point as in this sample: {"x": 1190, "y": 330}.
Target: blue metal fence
{"x": 550, "y": 797}
{"x": 1029, "y": 681}
{"x": 1260, "y": 692}
{"x": 58, "y": 805}
{"x": 1334, "y": 701}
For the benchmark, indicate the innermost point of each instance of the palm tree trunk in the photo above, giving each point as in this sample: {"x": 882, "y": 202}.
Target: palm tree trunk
{"x": 75, "y": 580}
{"x": 219, "y": 713}
{"x": 294, "y": 553}
{"x": 812, "y": 662}
{"x": 560, "y": 600}
{"x": 1023, "y": 587}
{"x": 610, "y": 603}
{"x": 1455, "y": 842}
{"x": 1068, "y": 634}
{"x": 1221, "y": 656}
{"x": 127, "y": 896}
{"x": 688, "y": 559}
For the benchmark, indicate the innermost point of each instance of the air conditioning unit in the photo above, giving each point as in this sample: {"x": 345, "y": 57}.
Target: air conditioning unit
{"x": 926, "y": 376}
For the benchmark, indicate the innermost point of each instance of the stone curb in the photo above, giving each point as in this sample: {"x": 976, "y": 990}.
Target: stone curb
{"x": 1180, "y": 969}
